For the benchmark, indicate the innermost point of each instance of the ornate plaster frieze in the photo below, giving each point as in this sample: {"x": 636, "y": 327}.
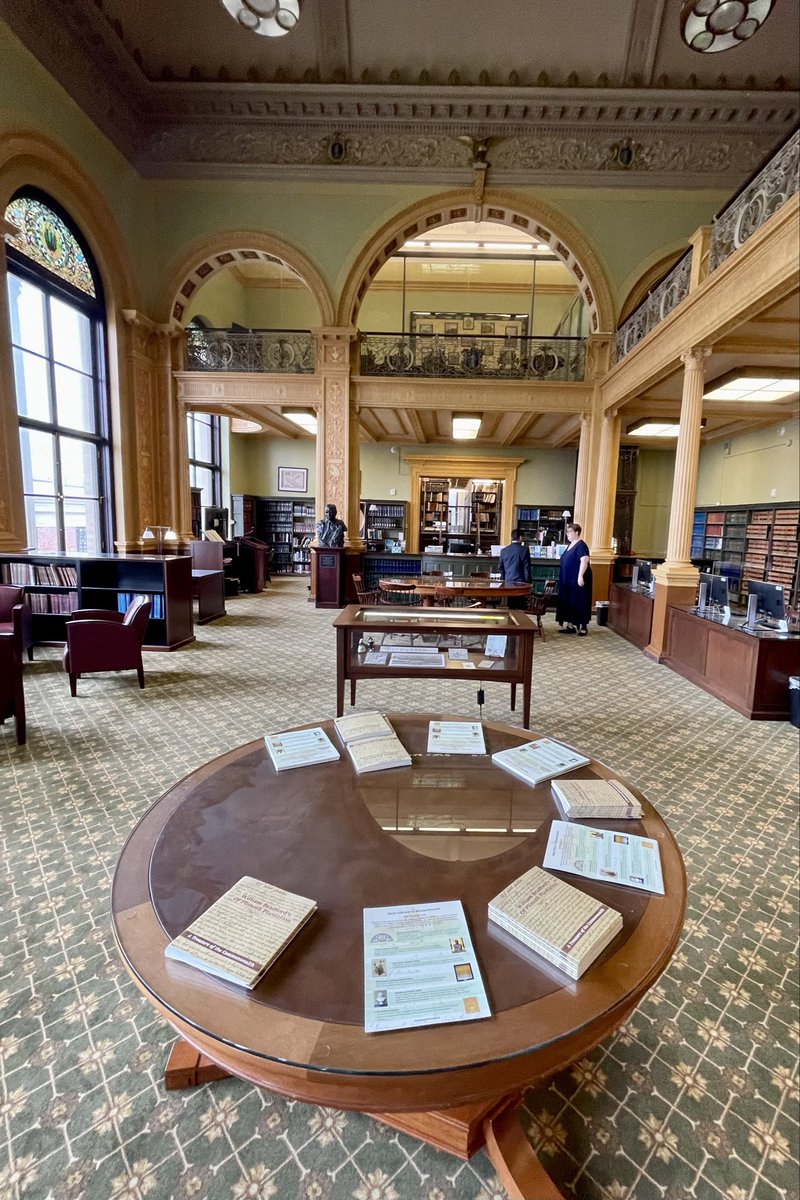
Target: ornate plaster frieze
{"x": 253, "y": 389}
{"x": 491, "y": 396}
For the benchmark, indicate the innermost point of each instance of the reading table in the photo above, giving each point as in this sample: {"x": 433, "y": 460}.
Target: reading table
{"x": 407, "y": 835}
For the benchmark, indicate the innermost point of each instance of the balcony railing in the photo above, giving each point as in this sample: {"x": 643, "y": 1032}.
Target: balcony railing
{"x": 284, "y": 351}
{"x": 455, "y": 356}
{"x": 756, "y": 202}
{"x": 658, "y": 304}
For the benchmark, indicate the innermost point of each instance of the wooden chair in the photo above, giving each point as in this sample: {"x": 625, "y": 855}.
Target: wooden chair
{"x": 16, "y": 617}
{"x": 537, "y": 604}
{"x": 12, "y": 695}
{"x": 103, "y": 640}
{"x": 402, "y": 593}
{"x": 366, "y": 596}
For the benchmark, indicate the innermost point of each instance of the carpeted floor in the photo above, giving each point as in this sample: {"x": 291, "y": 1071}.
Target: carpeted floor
{"x": 697, "y": 1096}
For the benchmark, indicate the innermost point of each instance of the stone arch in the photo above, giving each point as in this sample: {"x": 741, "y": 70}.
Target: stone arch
{"x": 535, "y": 218}
{"x": 211, "y": 254}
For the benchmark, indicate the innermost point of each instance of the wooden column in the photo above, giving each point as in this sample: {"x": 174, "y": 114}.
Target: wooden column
{"x": 676, "y": 578}
{"x": 580, "y": 506}
{"x": 13, "y": 534}
{"x": 338, "y": 467}
{"x": 174, "y": 447}
{"x": 700, "y": 241}
{"x": 605, "y": 498}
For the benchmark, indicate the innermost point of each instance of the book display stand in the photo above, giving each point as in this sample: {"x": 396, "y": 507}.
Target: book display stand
{"x": 407, "y": 836}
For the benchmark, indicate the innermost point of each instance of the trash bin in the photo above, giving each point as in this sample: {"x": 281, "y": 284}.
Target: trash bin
{"x": 601, "y": 612}
{"x": 794, "y": 700}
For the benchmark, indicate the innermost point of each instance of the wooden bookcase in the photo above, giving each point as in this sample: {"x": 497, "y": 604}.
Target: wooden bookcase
{"x": 534, "y": 521}
{"x": 750, "y": 542}
{"x": 288, "y": 526}
{"x": 382, "y": 520}
{"x": 57, "y": 584}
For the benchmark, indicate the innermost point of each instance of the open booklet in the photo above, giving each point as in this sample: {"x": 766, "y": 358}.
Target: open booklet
{"x": 243, "y": 932}
{"x": 371, "y": 742}
{"x": 420, "y": 967}
{"x": 300, "y": 748}
{"x": 558, "y": 921}
{"x": 536, "y": 761}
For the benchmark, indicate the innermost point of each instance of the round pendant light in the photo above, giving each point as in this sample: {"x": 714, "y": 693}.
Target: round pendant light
{"x": 268, "y": 18}
{"x": 709, "y": 26}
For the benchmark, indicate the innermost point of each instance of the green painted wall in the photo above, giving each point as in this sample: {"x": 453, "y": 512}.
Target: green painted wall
{"x": 255, "y": 461}
{"x": 656, "y": 469}
{"x": 755, "y": 468}
{"x": 222, "y": 301}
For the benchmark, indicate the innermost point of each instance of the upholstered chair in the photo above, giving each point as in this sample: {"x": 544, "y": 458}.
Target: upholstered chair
{"x": 12, "y": 696}
{"x": 101, "y": 640}
{"x": 16, "y": 617}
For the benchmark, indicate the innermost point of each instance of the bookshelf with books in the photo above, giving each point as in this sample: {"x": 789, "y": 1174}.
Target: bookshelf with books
{"x": 57, "y": 584}
{"x": 543, "y": 524}
{"x": 383, "y": 521}
{"x": 757, "y": 542}
{"x": 288, "y": 526}
{"x": 303, "y": 530}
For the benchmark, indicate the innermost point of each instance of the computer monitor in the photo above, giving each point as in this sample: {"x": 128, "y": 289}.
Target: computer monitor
{"x": 455, "y": 546}
{"x": 716, "y": 589}
{"x": 216, "y": 519}
{"x": 644, "y": 570}
{"x": 771, "y": 602}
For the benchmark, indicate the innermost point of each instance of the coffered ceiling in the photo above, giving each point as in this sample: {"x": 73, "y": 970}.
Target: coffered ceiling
{"x": 575, "y": 89}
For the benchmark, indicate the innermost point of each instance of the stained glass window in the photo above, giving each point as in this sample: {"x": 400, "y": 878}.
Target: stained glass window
{"x": 44, "y": 237}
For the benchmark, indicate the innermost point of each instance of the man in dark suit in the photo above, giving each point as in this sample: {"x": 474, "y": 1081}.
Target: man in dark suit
{"x": 515, "y": 567}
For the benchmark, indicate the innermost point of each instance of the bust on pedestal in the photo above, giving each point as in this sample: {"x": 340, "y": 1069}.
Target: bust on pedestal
{"x": 330, "y": 560}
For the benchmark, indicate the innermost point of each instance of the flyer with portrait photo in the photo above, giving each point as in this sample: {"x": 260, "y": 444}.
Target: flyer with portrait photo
{"x": 605, "y": 854}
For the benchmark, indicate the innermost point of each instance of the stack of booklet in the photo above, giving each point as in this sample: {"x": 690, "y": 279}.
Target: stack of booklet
{"x": 243, "y": 932}
{"x": 300, "y": 748}
{"x": 597, "y": 799}
{"x": 371, "y": 742}
{"x": 536, "y": 761}
{"x": 556, "y": 920}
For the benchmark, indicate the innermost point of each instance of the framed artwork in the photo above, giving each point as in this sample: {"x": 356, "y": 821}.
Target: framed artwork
{"x": 461, "y": 324}
{"x": 427, "y": 328}
{"x": 468, "y": 323}
{"x": 451, "y": 326}
{"x": 292, "y": 479}
{"x": 512, "y": 331}
{"x": 487, "y": 327}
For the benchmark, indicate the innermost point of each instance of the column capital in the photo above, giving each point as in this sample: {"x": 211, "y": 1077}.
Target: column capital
{"x": 695, "y": 356}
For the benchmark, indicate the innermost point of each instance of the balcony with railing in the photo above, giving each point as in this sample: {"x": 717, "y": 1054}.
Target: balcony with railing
{"x": 752, "y": 206}
{"x": 282, "y": 351}
{"x": 457, "y": 356}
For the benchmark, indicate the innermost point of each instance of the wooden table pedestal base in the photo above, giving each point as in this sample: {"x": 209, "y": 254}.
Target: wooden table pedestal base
{"x": 460, "y": 1131}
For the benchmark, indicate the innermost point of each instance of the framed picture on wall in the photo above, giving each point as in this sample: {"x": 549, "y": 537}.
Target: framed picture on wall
{"x": 427, "y": 328}
{"x": 292, "y": 479}
{"x": 487, "y": 328}
{"x": 451, "y": 326}
{"x": 468, "y": 323}
{"x": 512, "y": 331}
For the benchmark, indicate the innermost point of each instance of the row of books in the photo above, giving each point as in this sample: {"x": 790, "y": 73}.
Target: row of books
{"x": 53, "y": 602}
{"x": 124, "y": 599}
{"x": 38, "y": 574}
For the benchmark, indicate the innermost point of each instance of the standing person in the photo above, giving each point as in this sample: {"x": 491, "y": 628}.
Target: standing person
{"x": 574, "y": 608}
{"x": 515, "y": 567}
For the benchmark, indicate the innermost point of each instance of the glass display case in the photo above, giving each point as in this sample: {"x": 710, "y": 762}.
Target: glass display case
{"x": 475, "y": 644}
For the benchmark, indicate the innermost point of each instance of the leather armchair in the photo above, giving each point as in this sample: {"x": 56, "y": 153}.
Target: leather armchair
{"x": 101, "y": 640}
{"x": 12, "y": 696}
{"x": 16, "y": 617}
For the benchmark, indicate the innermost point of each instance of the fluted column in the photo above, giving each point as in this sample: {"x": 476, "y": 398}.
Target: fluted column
{"x": 176, "y": 501}
{"x": 676, "y": 578}
{"x": 13, "y": 535}
{"x": 580, "y": 506}
{"x": 605, "y": 499}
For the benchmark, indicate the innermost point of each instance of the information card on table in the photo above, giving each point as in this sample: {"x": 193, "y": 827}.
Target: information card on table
{"x": 420, "y": 967}
{"x": 603, "y": 854}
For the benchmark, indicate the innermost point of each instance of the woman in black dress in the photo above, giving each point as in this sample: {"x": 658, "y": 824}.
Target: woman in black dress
{"x": 574, "y": 607}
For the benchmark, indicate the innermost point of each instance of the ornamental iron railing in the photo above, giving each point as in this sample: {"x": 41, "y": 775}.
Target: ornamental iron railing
{"x": 658, "y": 304}
{"x": 283, "y": 351}
{"x": 762, "y": 196}
{"x": 459, "y": 356}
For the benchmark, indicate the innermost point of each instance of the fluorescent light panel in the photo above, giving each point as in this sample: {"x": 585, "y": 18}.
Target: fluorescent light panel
{"x": 466, "y": 429}
{"x": 303, "y": 417}
{"x": 757, "y": 387}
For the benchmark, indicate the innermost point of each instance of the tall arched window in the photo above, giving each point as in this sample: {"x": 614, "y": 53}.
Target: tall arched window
{"x": 58, "y": 340}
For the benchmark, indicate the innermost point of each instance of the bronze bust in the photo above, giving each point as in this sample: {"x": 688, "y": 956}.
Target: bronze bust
{"x": 330, "y": 530}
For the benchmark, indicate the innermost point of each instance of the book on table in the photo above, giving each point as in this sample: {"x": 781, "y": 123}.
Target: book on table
{"x": 596, "y": 799}
{"x": 533, "y": 762}
{"x": 300, "y": 748}
{"x": 558, "y": 921}
{"x": 240, "y": 935}
{"x": 371, "y": 742}
{"x": 455, "y": 737}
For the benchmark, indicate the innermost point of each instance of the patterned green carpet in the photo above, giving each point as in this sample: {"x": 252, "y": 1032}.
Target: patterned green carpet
{"x": 696, "y": 1097}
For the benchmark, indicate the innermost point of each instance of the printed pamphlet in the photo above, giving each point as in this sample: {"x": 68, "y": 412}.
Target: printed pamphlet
{"x": 603, "y": 854}
{"x": 300, "y": 748}
{"x": 597, "y": 799}
{"x": 536, "y": 761}
{"x": 455, "y": 737}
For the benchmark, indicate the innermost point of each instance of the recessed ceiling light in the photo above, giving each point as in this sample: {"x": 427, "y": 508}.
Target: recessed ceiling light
{"x": 753, "y": 384}
{"x": 465, "y": 429}
{"x": 306, "y": 418}
{"x": 709, "y": 26}
{"x": 653, "y": 427}
{"x": 239, "y": 425}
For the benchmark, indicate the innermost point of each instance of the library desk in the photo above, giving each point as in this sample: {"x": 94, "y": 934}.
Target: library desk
{"x": 462, "y": 626}
{"x": 469, "y": 589}
{"x": 209, "y": 588}
{"x": 749, "y": 672}
{"x": 630, "y": 613}
{"x": 353, "y": 841}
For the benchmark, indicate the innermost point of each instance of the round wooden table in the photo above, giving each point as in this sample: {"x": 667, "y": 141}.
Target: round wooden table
{"x": 407, "y": 835}
{"x": 470, "y": 589}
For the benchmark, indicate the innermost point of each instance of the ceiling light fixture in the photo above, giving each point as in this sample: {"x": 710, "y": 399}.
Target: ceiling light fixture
{"x": 753, "y": 384}
{"x": 465, "y": 429}
{"x": 240, "y": 425}
{"x": 306, "y": 418}
{"x": 269, "y": 18}
{"x": 709, "y": 26}
{"x": 653, "y": 427}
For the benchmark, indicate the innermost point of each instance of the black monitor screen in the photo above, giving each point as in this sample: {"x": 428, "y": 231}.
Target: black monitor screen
{"x": 716, "y": 589}
{"x": 770, "y": 598}
{"x": 455, "y": 547}
{"x": 645, "y": 570}
{"x": 216, "y": 519}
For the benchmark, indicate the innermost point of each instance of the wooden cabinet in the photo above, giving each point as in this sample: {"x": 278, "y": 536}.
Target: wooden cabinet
{"x": 105, "y": 581}
{"x": 630, "y": 614}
